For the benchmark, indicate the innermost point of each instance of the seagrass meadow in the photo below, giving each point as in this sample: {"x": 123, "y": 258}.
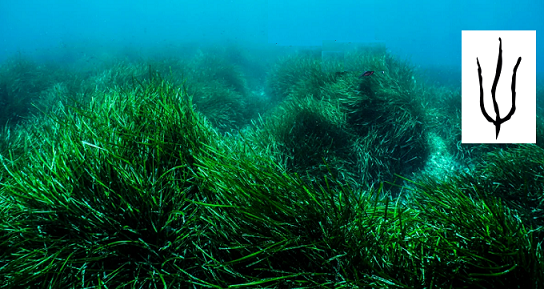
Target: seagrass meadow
{"x": 227, "y": 169}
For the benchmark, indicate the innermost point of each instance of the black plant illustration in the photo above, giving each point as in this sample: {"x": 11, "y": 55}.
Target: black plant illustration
{"x": 498, "y": 120}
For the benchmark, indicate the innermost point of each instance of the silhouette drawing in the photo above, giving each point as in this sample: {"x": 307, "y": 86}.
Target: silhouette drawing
{"x": 498, "y": 120}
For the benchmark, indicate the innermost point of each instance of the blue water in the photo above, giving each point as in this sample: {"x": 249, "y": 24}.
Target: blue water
{"x": 428, "y": 33}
